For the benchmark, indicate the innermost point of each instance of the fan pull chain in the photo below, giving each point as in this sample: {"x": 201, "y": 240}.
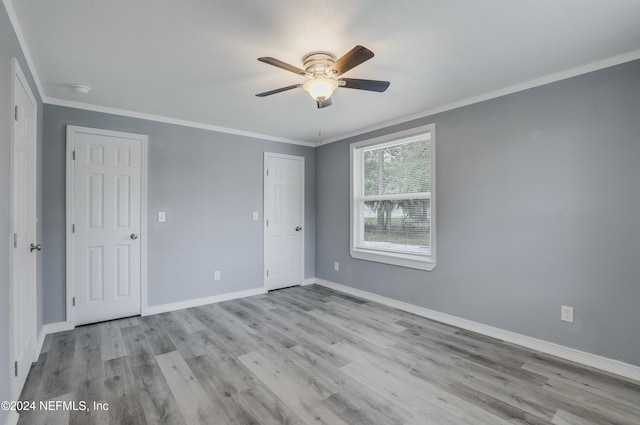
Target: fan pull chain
{"x": 321, "y": 125}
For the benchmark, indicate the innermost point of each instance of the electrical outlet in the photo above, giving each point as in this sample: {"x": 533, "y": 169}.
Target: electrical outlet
{"x": 216, "y": 275}
{"x": 256, "y": 216}
{"x": 162, "y": 217}
{"x": 566, "y": 313}
{"x": 336, "y": 266}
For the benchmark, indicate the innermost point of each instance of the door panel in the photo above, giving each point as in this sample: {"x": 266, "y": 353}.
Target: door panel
{"x": 284, "y": 184}
{"x": 123, "y": 271}
{"x": 23, "y": 228}
{"x": 107, "y": 218}
{"x": 95, "y": 266}
{"x": 123, "y": 204}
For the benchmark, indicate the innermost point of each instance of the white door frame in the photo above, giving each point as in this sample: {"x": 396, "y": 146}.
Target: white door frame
{"x": 144, "y": 141}
{"x": 19, "y": 77}
{"x": 264, "y": 216}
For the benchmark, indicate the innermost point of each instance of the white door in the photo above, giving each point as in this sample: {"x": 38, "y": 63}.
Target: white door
{"x": 106, "y": 223}
{"x": 284, "y": 219}
{"x": 23, "y": 229}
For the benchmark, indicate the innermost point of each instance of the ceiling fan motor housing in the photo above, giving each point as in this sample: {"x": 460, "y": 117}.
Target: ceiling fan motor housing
{"x": 317, "y": 63}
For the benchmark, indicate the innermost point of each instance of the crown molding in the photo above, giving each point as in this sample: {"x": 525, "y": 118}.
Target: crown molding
{"x": 169, "y": 120}
{"x": 17, "y": 29}
{"x": 573, "y": 72}
{"x": 551, "y": 78}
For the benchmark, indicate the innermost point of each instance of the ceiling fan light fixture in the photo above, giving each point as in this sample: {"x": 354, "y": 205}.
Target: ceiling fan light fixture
{"x": 320, "y": 88}
{"x": 324, "y": 72}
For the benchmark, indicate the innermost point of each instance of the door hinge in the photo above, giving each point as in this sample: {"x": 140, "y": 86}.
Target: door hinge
{"x": 267, "y": 223}
{"x": 16, "y": 110}
{"x": 267, "y": 172}
{"x": 73, "y": 301}
{"x": 16, "y": 365}
{"x": 267, "y": 273}
{"x": 73, "y": 155}
{"x": 73, "y": 228}
{"x": 15, "y": 240}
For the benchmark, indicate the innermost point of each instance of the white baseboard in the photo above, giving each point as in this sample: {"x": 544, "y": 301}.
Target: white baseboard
{"x": 309, "y": 281}
{"x": 51, "y": 328}
{"x": 163, "y": 308}
{"x": 12, "y": 418}
{"x": 603, "y": 363}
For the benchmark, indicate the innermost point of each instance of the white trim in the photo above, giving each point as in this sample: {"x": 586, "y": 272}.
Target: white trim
{"x": 17, "y": 29}
{"x": 70, "y": 266}
{"x": 12, "y": 418}
{"x": 398, "y": 258}
{"x": 402, "y": 259}
{"x": 51, "y": 328}
{"x": 300, "y": 159}
{"x": 17, "y": 76}
{"x": 144, "y": 240}
{"x": 606, "y": 364}
{"x": 309, "y": 281}
{"x": 175, "y": 121}
{"x": 163, "y": 308}
{"x": 551, "y": 78}
{"x": 395, "y": 197}
{"x": 573, "y": 72}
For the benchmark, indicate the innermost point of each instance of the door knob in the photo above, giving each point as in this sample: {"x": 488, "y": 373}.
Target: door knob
{"x": 35, "y": 247}
{"x": 298, "y": 228}
{"x": 134, "y": 236}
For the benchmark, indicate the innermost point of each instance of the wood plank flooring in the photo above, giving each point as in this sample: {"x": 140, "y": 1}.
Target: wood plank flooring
{"x": 310, "y": 355}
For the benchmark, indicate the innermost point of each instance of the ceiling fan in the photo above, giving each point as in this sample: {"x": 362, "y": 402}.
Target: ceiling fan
{"x": 323, "y": 69}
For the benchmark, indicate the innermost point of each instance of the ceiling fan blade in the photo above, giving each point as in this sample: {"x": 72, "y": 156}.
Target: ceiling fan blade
{"x": 280, "y": 90}
{"x": 324, "y": 103}
{"x": 283, "y": 65}
{"x": 351, "y": 59}
{"x": 370, "y": 85}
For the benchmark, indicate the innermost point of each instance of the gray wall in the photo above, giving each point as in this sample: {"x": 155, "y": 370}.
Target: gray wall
{"x": 538, "y": 205}
{"x": 9, "y": 48}
{"x": 209, "y": 184}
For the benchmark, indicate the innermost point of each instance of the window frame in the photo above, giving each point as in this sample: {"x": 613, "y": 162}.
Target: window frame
{"x": 403, "y": 259}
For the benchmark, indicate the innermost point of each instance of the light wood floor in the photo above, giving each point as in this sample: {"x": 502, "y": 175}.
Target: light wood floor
{"x": 310, "y": 355}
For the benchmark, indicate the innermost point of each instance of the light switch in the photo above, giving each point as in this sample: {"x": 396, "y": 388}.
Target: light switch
{"x": 162, "y": 216}
{"x": 256, "y": 216}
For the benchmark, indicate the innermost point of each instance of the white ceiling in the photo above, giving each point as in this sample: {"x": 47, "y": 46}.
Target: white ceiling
{"x": 195, "y": 60}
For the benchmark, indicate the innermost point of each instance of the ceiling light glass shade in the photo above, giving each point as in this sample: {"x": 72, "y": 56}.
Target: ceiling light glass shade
{"x": 320, "y": 88}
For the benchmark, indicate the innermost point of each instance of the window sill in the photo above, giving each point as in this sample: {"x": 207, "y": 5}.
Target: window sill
{"x": 395, "y": 258}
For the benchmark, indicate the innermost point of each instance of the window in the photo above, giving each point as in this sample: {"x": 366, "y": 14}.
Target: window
{"x": 393, "y": 199}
